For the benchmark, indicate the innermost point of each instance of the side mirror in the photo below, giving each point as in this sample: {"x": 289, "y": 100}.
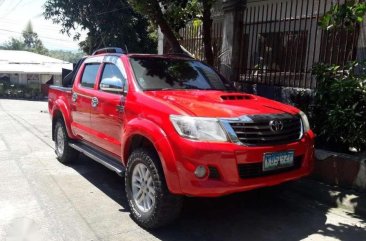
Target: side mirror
{"x": 112, "y": 85}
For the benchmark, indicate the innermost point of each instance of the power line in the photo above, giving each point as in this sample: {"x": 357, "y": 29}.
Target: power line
{"x": 13, "y": 8}
{"x": 6, "y": 30}
{"x": 16, "y": 5}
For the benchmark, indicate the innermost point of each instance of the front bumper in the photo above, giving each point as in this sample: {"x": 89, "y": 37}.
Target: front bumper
{"x": 226, "y": 158}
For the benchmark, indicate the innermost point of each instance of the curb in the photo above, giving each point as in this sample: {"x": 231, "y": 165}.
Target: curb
{"x": 349, "y": 200}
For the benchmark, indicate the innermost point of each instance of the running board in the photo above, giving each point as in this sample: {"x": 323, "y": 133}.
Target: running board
{"x": 108, "y": 162}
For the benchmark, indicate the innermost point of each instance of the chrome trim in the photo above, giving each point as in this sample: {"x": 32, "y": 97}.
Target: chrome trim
{"x": 276, "y": 125}
{"x": 301, "y": 129}
{"x": 61, "y": 88}
{"x": 226, "y": 125}
{"x": 120, "y": 170}
{"x": 94, "y": 60}
{"x": 74, "y": 97}
{"x": 94, "y": 102}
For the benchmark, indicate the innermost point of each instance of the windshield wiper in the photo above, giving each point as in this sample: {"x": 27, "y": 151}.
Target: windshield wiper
{"x": 193, "y": 87}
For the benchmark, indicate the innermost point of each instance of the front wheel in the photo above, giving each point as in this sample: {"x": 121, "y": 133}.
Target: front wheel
{"x": 64, "y": 152}
{"x": 151, "y": 203}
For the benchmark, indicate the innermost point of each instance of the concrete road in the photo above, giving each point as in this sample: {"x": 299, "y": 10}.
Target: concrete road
{"x": 44, "y": 200}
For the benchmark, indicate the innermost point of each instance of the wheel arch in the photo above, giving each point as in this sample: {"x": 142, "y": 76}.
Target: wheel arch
{"x": 61, "y": 112}
{"x": 57, "y": 115}
{"x": 148, "y": 135}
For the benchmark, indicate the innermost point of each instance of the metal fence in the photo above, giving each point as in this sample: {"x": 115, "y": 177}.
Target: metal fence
{"x": 191, "y": 39}
{"x": 281, "y": 42}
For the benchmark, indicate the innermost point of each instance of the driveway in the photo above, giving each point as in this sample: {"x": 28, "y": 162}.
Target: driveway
{"x": 45, "y": 200}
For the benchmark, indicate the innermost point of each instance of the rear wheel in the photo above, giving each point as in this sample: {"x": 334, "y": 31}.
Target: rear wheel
{"x": 151, "y": 203}
{"x": 64, "y": 152}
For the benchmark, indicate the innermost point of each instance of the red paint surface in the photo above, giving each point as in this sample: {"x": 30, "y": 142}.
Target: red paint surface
{"x": 147, "y": 114}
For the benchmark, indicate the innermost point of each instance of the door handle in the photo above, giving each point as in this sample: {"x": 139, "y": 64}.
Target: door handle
{"x": 120, "y": 108}
{"x": 74, "y": 97}
{"x": 94, "y": 102}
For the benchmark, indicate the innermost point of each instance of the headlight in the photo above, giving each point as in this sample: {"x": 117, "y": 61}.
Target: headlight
{"x": 198, "y": 128}
{"x": 305, "y": 122}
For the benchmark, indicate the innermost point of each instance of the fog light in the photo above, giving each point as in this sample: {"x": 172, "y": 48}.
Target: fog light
{"x": 200, "y": 172}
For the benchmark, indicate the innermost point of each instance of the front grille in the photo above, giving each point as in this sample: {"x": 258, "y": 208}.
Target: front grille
{"x": 252, "y": 170}
{"x": 257, "y": 130}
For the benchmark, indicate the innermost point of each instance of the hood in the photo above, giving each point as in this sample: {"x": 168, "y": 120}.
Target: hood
{"x": 219, "y": 103}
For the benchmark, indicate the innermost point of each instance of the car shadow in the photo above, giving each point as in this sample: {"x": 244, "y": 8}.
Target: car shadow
{"x": 264, "y": 214}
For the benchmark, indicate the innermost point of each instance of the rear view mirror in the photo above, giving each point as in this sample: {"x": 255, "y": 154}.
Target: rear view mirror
{"x": 112, "y": 85}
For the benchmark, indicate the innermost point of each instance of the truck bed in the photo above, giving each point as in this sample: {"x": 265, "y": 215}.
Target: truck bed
{"x": 58, "y": 92}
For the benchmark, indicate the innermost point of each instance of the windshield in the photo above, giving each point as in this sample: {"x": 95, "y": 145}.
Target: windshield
{"x": 177, "y": 74}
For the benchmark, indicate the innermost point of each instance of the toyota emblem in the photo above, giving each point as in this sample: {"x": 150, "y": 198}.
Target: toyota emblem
{"x": 276, "y": 125}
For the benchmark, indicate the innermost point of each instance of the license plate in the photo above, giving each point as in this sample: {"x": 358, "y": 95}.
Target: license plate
{"x": 278, "y": 160}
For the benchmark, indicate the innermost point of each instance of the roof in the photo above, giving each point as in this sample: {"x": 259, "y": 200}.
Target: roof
{"x": 15, "y": 56}
{"x": 13, "y": 61}
{"x": 161, "y": 56}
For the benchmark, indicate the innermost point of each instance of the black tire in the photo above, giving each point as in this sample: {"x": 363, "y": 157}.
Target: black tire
{"x": 65, "y": 154}
{"x": 167, "y": 207}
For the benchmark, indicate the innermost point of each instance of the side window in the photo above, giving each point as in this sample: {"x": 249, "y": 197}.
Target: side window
{"x": 112, "y": 79}
{"x": 90, "y": 75}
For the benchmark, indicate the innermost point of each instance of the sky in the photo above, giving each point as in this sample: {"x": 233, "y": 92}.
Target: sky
{"x": 14, "y": 16}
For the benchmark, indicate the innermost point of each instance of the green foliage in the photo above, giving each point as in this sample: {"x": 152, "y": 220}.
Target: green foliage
{"x": 173, "y": 15}
{"x": 109, "y": 23}
{"x": 71, "y": 57}
{"x": 177, "y": 13}
{"x": 340, "y": 98}
{"x": 303, "y": 100}
{"x": 345, "y": 15}
{"x": 178, "y": 17}
{"x": 169, "y": 15}
{"x": 14, "y": 44}
{"x": 340, "y": 110}
{"x": 29, "y": 42}
{"x": 17, "y": 91}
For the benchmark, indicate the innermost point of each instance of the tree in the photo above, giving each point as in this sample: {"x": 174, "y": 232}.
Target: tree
{"x": 68, "y": 56}
{"x": 172, "y": 15}
{"x": 154, "y": 10}
{"x": 32, "y": 41}
{"x": 28, "y": 42}
{"x": 30, "y": 37}
{"x": 109, "y": 23}
{"x": 206, "y": 26}
{"x": 14, "y": 44}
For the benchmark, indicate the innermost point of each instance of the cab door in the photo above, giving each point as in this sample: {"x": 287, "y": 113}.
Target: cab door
{"x": 108, "y": 115}
{"x": 82, "y": 98}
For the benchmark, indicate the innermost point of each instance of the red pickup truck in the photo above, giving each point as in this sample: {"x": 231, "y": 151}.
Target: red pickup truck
{"x": 175, "y": 127}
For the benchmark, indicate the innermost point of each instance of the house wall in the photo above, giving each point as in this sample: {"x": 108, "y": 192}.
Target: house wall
{"x": 12, "y": 77}
{"x": 32, "y": 79}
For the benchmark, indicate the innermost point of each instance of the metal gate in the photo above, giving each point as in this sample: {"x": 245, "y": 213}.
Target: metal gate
{"x": 281, "y": 42}
{"x": 191, "y": 39}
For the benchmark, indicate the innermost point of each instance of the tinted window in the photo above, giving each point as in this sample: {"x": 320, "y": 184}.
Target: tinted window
{"x": 160, "y": 74}
{"x": 90, "y": 75}
{"x": 112, "y": 79}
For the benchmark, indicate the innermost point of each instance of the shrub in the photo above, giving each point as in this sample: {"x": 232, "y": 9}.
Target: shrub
{"x": 303, "y": 99}
{"x": 339, "y": 115}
